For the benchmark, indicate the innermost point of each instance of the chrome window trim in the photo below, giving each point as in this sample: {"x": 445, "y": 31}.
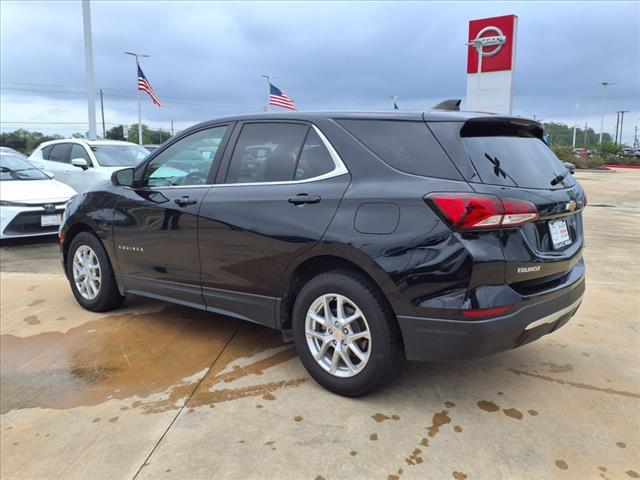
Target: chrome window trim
{"x": 340, "y": 169}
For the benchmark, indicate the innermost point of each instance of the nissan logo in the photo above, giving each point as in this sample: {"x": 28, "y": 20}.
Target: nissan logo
{"x": 497, "y": 40}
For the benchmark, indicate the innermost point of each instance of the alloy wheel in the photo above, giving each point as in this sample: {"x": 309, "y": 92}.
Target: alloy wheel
{"x": 338, "y": 335}
{"x": 87, "y": 272}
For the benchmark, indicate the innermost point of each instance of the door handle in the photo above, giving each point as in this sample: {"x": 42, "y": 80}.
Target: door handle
{"x": 185, "y": 200}
{"x": 303, "y": 198}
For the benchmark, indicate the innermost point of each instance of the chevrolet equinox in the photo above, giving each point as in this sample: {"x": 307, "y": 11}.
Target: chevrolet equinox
{"x": 366, "y": 238}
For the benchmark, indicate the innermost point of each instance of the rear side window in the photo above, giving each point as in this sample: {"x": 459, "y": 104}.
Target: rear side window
{"x": 60, "y": 152}
{"x": 515, "y": 157}
{"x": 315, "y": 159}
{"x": 407, "y": 146}
{"x": 266, "y": 152}
{"x": 45, "y": 151}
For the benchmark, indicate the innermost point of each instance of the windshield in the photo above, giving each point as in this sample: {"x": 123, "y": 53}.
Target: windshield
{"x": 524, "y": 162}
{"x": 13, "y": 167}
{"x": 119, "y": 155}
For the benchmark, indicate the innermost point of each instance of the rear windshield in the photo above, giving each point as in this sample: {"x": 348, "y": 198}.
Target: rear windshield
{"x": 405, "y": 145}
{"x": 515, "y": 158}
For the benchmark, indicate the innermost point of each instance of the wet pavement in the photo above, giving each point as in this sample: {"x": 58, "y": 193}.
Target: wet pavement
{"x": 160, "y": 391}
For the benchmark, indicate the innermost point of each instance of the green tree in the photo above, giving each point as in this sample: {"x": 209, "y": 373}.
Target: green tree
{"x": 148, "y": 135}
{"x": 25, "y": 141}
{"x": 116, "y": 133}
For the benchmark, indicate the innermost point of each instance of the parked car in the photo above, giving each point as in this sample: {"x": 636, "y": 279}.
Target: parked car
{"x": 31, "y": 202}
{"x": 13, "y": 152}
{"x": 80, "y": 163}
{"x": 366, "y": 238}
{"x": 581, "y": 152}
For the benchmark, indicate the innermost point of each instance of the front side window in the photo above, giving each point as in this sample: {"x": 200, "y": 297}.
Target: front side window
{"x": 266, "y": 152}
{"x": 60, "y": 152}
{"x": 78, "y": 151}
{"x": 186, "y": 162}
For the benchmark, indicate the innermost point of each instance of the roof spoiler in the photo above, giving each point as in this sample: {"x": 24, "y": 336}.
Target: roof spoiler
{"x": 452, "y": 105}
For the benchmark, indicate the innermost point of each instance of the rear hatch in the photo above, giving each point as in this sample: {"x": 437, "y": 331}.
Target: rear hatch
{"x": 507, "y": 158}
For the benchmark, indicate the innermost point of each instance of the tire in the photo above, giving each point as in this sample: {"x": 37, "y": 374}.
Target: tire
{"x": 107, "y": 297}
{"x": 383, "y": 346}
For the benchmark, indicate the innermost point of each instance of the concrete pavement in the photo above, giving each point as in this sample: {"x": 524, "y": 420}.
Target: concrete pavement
{"x": 160, "y": 391}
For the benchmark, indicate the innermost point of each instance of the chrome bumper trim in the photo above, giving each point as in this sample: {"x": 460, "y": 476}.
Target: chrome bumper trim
{"x": 554, "y": 316}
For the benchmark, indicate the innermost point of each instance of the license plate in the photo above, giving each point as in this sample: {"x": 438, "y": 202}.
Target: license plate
{"x": 560, "y": 236}
{"x": 50, "y": 220}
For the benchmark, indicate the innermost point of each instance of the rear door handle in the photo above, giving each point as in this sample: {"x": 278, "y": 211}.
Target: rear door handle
{"x": 185, "y": 200}
{"x": 303, "y": 198}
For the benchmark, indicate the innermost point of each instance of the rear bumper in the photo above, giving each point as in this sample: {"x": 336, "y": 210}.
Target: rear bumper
{"x": 437, "y": 339}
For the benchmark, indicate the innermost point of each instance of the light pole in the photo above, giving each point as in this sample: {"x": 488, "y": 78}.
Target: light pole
{"x": 88, "y": 64}
{"x": 269, "y": 78}
{"x": 604, "y": 101}
{"x": 138, "y": 55}
{"x": 622, "y": 112}
{"x": 575, "y": 125}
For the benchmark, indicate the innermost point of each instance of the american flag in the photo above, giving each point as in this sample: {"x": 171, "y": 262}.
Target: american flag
{"x": 145, "y": 86}
{"x": 278, "y": 98}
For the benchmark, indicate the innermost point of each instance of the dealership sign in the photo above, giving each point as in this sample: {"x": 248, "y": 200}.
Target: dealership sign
{"x": 490, "y": 63}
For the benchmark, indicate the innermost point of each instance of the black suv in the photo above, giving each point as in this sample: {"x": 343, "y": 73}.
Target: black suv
{"x": 366, "y": 238}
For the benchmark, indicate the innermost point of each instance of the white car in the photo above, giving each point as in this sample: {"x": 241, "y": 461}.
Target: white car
{"x": 31, "y": 202}
{"x": 80, "y": 163}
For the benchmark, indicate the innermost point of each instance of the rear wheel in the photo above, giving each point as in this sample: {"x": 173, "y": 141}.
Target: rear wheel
{"x": 90, "y": 274}
{"x": 346, "y": 334}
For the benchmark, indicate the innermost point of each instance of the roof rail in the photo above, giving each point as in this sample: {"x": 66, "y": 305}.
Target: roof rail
{"x": 452, "y": 104}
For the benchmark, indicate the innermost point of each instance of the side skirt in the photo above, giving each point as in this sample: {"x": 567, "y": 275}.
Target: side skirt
{"x": 258, "y": 309}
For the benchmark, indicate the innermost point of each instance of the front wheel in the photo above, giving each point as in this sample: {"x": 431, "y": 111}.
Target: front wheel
{"x": 346, "y": 334}
{"x": 90, "y": 274}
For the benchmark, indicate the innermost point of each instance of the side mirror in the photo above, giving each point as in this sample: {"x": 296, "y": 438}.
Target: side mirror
{"x": 80, "y": 163}
{"x": 570, "y": 166}
{"x": 123, "y": 178}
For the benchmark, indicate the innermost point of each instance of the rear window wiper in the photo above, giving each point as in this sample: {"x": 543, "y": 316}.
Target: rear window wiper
{"x": 558, "y": 178}
{"x": 496, "y": 165}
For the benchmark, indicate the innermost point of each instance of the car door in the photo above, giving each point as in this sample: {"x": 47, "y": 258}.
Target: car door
{"x": 155, "y": 222}
{"x": 77, "y": 177}
{"x": 280, "y": 187}
{"x": 57, "y": 161}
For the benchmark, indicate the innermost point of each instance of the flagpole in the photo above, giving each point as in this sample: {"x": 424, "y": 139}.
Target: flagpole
{"x": 269, "y": 78}
{"x": 139, "y": 119}
{"x": 138, "y": 55}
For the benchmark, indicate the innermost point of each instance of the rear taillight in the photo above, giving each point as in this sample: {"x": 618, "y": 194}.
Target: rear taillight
{"x": 471, "y": 211}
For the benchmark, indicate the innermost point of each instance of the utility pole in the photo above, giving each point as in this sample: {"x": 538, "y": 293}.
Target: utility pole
{"x": 604, "y": 102}
{"x": 635, "y": 137}
{"x": 269, "y": 78}
{"x": 138, "y": 55}
{"x": 622, "y": 112}
{"x": 617, "y": 123}
{"x": 88, "y": 63}
{"x": 104, "y": 130}
{"x": 172, "y": 128}
{"x": 575, "y": 125}
{"x": 585, "y": 134}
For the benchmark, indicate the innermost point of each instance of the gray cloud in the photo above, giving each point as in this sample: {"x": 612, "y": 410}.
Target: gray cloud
{"x": 207, "y": 57}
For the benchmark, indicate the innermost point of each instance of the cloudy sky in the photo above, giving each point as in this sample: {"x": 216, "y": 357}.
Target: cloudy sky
{"x": 207, "y": 58}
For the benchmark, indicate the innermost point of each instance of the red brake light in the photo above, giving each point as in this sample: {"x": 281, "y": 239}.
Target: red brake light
{"x": 470, "y": 211}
